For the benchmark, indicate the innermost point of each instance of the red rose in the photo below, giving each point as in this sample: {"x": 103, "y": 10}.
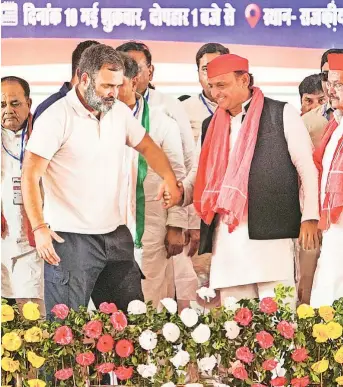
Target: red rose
{"x": 300, "y": 382}
{"x": 105, "y": 368}
{"x": 63, "y": 335}
{"x": 85, "y": 359}
{"x": 107, "y": 308}
{"x": 265, "y": 339}
{"x": 124, "y": 348}
{"x": 105, "y": 343}
{"x": 300, "y": 355}
{"x": 243, "y": 316}
{"x": 278, "y": 382}
{"x": 124, "y": 373}
{"x": 268, "y": 305}
{"x": 61, "y": 311}
{"x": 93, "y": 329}
{"x": 286, "y": 330}
{"x": 269, "y": 365}
{"x": 64, "y": 374}
{"x": 119, "y": 321}
{"x": 245, "y": 355}
{"x": 239, "y": 372}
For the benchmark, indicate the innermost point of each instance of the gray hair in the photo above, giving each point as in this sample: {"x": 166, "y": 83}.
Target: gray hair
{"x": 131, "y": 69}
{"x": 97, "y": 56}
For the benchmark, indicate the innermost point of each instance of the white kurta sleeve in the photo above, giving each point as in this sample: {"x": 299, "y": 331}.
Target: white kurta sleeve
{"x": 172, "y": 147}
{"x": 179, "y": 114}
{"x": 301, "y": 151}
{"x": 189, "y": 182}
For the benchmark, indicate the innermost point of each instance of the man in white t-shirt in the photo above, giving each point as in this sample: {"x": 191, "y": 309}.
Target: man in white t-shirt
{"x": 77, "y": 147}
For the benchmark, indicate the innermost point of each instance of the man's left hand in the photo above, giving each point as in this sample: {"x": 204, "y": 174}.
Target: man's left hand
{"x": 174, "y": 241}
{"x": 310, "y": 236}
{"x": 192, "y": 237}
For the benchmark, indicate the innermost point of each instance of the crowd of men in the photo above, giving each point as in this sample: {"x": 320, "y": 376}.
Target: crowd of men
{"x": 114, "y": 191}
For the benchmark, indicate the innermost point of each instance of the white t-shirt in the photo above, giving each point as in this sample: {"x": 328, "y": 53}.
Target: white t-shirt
{"x": 82, "y": 182}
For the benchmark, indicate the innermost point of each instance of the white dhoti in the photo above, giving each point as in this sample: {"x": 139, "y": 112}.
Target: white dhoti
{"x": 328, "y": 280}
{"x": 238, "y": 261}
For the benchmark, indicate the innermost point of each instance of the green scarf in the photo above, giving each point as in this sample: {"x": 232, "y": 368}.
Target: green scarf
{"x": 141, "y": 175}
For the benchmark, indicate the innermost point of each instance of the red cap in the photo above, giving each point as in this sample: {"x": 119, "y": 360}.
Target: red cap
{"x": 227, "y": 63}
{"x": 335, "y": 62}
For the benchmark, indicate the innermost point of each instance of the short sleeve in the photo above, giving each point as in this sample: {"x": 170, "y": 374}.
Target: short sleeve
{"x": 134, "y": 131}
{"x": 48, "y": 132}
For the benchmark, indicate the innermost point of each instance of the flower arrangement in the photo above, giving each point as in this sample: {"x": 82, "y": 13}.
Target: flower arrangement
{"x": 248, "y": 343}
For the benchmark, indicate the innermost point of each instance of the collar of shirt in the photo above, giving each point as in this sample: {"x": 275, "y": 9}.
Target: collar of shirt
{"x": 79, "y": 108}
{"x": 66, "y": 87}
{"x": 338, "y": 114}
{"x": 242, "y": 114}
{"x": 139, "y": 112}
{"x": 210, "y": 104}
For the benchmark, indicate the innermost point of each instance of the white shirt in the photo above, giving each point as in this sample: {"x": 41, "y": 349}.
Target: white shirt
{"x": 16, "y": 241}
{"x": 83, "y": 179}
{"x": 174, "y": 109}
{"x": 198, "y": 108}
{"x": 239, "y": 260}
{"x": 165, "y": 133}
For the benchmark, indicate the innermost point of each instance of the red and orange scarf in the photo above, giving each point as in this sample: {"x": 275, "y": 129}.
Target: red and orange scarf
{"x": 222, "y": 186}
{"x": 332, "y": 207}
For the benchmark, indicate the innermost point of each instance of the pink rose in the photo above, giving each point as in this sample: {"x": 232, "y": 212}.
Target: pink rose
{"x": 286, "y": 329}
{"x": 300, "y": 382}
{"x": 119, "y": 321}
{"x": 265, "y": 339}
{"x": 105, "y": 344}
{"x": 278, "y": 382}
{"x": 85, "y": 359}
{"x": 239, "y": 371}
{"x": 300, "y": 355}
{"x": 243, "y": 316}
{"x": 63, "y": 335}
{"x": 60, "y": 311}
{"x": 105, "y": 368}
{"x": 107, "y": 308}
{"x": 269, "y": 365}
{"x": 93, "y": 329}
{"x": 64, "y": 374}
{"x": 268, "y": 305}
{"x": 124, "y": 373}
{"x": 245, "y": 355}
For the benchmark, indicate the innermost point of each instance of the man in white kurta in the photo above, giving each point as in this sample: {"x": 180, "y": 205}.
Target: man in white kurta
{"x": 244, "y": 267}
{"x": 21, "y": 268}
{"x": 328, "y": 281}
{"x": 166, "y": 268}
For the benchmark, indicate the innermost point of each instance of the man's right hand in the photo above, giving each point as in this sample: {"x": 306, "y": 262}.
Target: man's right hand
{"x": 44, "y": 246}
{"x": 167, "y": 197}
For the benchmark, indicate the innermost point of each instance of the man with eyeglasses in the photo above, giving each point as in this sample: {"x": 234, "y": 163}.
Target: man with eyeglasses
{"x": 317, "y": 119}
{"x": 328, "y": 281}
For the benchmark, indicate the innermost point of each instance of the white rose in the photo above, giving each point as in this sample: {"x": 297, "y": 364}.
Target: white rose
{"x": 207, "y": 364}
{"x": 181, "y": 359}
{"x": 170, "y": 305}
{"x": 206, "y": 293}
{"x": 170, "y": 384}
{"x": 189, "y": 317}
{"x": 148, "y": 340}
{"x": 136, "y": 307}
{"x": 232, "y": 329}
{"x": 147, "y": 370}
{"x": 171, "y": 332}
{"x": 231, "y": 303}
{"x": 201, "y": 334}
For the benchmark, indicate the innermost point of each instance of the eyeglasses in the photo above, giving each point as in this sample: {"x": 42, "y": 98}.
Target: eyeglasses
{"x": 324, "y": 75}
{"x": 337, "y": 86}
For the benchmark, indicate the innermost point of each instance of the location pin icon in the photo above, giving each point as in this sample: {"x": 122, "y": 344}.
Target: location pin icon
{"x": 253, "y": 14}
